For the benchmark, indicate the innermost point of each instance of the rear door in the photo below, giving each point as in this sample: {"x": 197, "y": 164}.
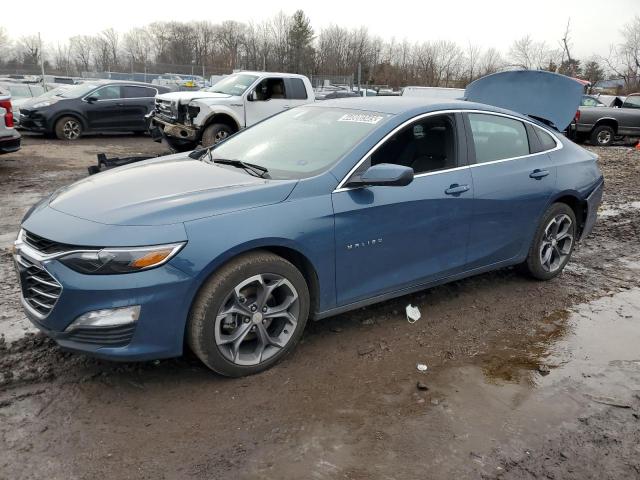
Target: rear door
{"x": 512, "y": 186}
{"x": 390, "y": 238}
{"x": 137, "y": 101}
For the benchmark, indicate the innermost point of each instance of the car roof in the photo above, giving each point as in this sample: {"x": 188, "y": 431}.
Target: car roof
{"x": 397, "y": 105}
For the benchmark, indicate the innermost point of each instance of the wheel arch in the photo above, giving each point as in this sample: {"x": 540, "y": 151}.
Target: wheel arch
{"x": 281, "y": 247}
{"x": 66, "y": 113}
{"x": 223, "y": 118}
{"x": 609, "y": 121}
{"x": 577, "y": 204}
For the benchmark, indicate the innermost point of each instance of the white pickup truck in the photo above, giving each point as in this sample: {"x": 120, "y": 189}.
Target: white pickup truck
{"x": 240, "y": 100}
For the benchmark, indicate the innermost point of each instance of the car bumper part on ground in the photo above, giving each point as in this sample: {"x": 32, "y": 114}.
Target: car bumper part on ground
{"x": 162, "y": 293}
{"x": 10, "y": 143}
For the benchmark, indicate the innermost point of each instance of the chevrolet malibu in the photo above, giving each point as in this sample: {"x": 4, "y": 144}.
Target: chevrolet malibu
{"x": 316, "y": 211}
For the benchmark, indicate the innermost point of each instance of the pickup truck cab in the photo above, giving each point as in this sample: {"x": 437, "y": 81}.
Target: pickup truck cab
{"x": 602, "y": 124}
{"x": 208, "y": 116}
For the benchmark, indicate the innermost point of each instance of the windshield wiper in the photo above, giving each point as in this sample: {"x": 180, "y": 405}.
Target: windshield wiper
{"x": 258, "y": 170}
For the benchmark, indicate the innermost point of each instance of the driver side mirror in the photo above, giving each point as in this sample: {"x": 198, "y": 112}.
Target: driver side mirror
{"x": 384, "y": 174}
{"x": 252, "y": 97}
{"x": 92, "y": 99}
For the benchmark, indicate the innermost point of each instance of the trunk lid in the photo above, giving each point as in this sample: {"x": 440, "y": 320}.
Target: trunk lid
{"x": 543, "y": 95}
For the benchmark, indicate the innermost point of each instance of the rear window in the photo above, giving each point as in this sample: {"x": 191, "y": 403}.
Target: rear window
{"x": 297, "y": 90}
{"x": 497, "y": 138}
{"x": 133, "y": 91}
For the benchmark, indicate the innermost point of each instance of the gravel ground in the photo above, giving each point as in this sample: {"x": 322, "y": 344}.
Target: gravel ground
{"x": 525, "y": 379}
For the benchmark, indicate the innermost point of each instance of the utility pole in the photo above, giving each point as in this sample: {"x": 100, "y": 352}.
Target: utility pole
{"x": 44, "y": 85}
{"x": 359, "y": 75}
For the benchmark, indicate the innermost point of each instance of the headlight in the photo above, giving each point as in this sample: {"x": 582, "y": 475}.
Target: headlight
{"x": 44, "y": 103}
{"x": 120, "y": 260}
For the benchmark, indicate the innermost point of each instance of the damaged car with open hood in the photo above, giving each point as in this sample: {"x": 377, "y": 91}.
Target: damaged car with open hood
{"x": 319, "y": 210}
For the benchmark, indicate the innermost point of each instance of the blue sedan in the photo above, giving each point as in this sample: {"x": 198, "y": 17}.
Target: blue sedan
{"x": 314, "y": 212}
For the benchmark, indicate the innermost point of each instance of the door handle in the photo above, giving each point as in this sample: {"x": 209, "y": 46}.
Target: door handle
{"x": 456, "y": 189}
{"x": 538, "y": 174}
{"x": 286, "y": 107}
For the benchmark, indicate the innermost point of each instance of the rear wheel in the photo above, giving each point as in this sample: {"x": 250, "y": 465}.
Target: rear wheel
{"x": 603, "y": 136}
{"x": 553, "y": 243}
{"x": 68, "y": 128}
{"x": 215, "y": 133}
{"x": 249, "y": 314}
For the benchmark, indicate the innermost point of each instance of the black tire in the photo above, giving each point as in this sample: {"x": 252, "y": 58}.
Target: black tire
{"x": 602, "y": 136}
{"x": 68, "y": 128}
{"x": 534, "y": 265}
{"x": 203, "y": 326}
{"x": 215, "y": 133}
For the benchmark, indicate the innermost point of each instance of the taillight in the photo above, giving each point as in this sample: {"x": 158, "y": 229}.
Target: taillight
{"x": 8, "y": 116}
{"x": 577, "y": 117}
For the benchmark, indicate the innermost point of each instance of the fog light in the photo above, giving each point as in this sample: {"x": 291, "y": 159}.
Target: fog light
{"x": 110, "y": 317}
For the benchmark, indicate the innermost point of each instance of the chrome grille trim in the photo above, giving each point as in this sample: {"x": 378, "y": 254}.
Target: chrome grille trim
{"x": 40, "y": 290}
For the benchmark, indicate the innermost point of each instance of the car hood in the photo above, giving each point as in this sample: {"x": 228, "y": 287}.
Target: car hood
{"x": 186, "y": 97}
{"x": 165, "y": 191}
{"x": 539, "y": 94}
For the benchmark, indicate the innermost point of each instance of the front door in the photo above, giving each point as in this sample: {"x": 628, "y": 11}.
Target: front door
{"x": 104, "y": 112}
{"x": 389, "y": 238}
{"x": 137, "y": 101}
{"x": 267, "y": 98}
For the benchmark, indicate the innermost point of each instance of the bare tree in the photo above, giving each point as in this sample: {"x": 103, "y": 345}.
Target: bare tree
{"x": 624, "y": 59}
{"x": 231, "y": 35}
{"x": 28, "y": 49}
{"x": 531, "y": 55}
{"x": 82, "y": 52}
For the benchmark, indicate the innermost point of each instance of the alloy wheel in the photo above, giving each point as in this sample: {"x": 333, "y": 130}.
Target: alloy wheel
{"x": 71, "y": 129}
{"x": 220, "y": 135}
{"x": 556, "y": 243}
{"x": 604, "y": 137}
{"x": 257, "y": 319}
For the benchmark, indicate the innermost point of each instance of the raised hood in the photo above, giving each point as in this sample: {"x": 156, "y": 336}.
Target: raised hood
{"x": 186, "y": 97}
{"x": 166, "y": 191}
{"x": 543, "y": 95}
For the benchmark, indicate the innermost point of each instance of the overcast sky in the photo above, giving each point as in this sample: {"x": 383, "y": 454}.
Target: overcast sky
{"x": 490, "y": 23}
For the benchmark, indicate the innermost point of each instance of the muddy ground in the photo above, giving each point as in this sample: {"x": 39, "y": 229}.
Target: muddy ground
{"x": 525, "y": 379}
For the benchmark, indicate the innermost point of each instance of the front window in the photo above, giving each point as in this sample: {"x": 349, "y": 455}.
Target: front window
{"x": 301, "y": 142}
{"x": 20, "y": 91}
{"x": 79, "y": 90}
{"x": 233, "y": 84}
{"x": 632, "y": 102}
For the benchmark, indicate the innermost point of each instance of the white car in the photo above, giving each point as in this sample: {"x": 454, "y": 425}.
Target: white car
{"x": 240, "y": 100}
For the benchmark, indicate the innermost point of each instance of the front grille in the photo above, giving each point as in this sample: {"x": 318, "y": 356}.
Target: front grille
{"x": 165, "y": 109}
{"x": 39, "y": 289}
{"x": 44, "y": 245}
{"x": 117, "y": 336}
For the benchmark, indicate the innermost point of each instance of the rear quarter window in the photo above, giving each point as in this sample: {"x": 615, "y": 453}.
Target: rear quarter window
{"x": 546, "y": 141}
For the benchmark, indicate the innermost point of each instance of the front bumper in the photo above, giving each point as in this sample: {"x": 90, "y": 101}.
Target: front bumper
{"x": 33, "y": 121}
{"x": 10, "y": 143}
{"x": 164, "y": 295}
{"x": 173, "y": 131}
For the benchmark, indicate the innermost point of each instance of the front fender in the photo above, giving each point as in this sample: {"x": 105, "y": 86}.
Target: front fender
{"x": 207, "y": 111}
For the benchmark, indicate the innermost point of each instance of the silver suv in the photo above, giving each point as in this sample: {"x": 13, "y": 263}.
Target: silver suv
{"x": 9, "y": 136}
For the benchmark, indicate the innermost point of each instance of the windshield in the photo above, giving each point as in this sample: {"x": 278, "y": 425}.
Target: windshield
{"x": 78, "y": 91}
{"x": 233, "y": 84}
{"x": 301, "y": 142}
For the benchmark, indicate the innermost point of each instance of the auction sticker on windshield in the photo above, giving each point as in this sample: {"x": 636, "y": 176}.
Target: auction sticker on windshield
{"x": 360, "y": 118}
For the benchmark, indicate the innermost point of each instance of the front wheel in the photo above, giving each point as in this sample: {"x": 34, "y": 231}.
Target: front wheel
{"x": 215, "y": 133}
{"x": 553, "y": 243}
{"x": 249, "y": 314}
{"x": 68, "y": 128}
